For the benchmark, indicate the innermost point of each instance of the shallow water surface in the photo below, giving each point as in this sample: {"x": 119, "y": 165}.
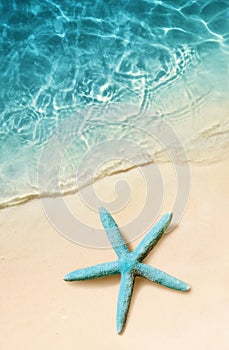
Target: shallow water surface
{"x": 101, "y": 65}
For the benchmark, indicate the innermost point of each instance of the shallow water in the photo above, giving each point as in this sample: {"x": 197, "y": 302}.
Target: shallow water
{"x": 90, "y": 71}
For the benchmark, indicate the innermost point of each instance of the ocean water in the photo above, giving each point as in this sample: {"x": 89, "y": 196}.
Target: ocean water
{"x": 82, "y": 73}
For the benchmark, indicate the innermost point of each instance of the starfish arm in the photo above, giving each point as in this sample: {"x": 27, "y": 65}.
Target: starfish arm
{"x": 125, "y": 293}
{"x": 100, "y": 270}
{"x": 158, "y": 276}
{"x": 152, "y": 238}
{"x": 113, "y": 233}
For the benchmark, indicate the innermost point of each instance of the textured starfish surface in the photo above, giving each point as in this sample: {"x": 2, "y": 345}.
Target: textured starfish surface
{"x": 129, "y": 264}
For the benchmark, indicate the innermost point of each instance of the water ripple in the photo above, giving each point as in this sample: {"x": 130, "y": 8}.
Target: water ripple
{"x": 59, "y": 57}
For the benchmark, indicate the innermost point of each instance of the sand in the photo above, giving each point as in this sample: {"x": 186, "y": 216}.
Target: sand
{"x": 38, "y": 310}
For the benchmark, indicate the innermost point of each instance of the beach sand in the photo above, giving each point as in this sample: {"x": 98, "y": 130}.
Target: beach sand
{"x": 38, "y": 310}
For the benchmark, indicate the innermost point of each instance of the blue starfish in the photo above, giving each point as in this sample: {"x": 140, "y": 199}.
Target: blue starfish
{"x": 129, "y": 264}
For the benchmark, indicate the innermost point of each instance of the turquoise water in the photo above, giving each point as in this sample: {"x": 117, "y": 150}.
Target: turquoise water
{"x": 101, "y": 62}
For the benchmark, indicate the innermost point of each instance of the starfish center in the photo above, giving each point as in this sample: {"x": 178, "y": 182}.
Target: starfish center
{"x": 127, "y": 264}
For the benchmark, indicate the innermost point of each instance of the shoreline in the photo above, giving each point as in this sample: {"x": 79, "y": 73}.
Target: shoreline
{"x": 197, "y": 139}
{"x": 21, "y": 200}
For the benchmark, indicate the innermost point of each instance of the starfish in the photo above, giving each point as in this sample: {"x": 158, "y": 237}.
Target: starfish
{"x": 129, "y": 264}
